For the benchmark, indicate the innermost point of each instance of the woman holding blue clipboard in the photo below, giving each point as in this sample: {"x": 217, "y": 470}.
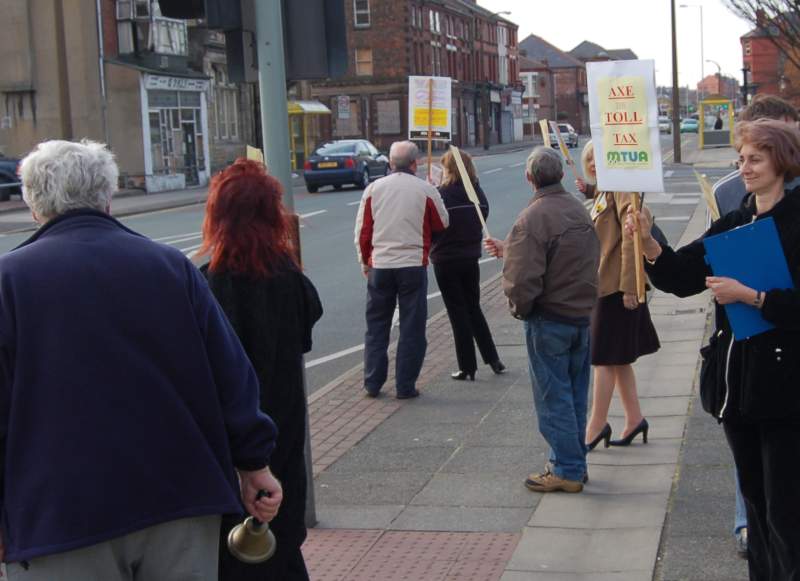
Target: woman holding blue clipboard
{"x": 750, "y": 378}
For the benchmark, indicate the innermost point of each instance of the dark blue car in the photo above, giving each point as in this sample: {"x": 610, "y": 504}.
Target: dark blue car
{"x": 9, "y": 181}
{"x": 349, "y": 161}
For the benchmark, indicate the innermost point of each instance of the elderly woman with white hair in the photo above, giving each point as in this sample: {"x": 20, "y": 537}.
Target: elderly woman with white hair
{"x": 127, "y": 404}
{"x": 622, "y": 330}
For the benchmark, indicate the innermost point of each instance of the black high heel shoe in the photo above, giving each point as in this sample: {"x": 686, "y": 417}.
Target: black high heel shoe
{"x": 497, "y": 367}
{"x": 605, "y": 434}
{"x": 642, "y": 429}
{"x": 462, "y": 375}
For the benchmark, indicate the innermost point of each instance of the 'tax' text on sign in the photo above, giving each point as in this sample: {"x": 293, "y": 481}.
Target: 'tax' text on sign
{"x": 623, "y": 115}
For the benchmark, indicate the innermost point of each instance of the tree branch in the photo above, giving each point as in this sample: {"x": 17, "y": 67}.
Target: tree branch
{"x": 783, "y": 18}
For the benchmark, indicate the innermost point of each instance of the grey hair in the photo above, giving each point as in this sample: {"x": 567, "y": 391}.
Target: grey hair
{"x": 544, "y": 166}
{"x": 402, "y": 154}
{"x": 59, "y": 176}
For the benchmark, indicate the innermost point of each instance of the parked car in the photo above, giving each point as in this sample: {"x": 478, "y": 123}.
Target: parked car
{"x": 8, "y": 176}
{"x": 568, "y": 134}
{"x": 689, "y": 125}
{"x": 664, "y": 124}
{"x": 348, "y": 161}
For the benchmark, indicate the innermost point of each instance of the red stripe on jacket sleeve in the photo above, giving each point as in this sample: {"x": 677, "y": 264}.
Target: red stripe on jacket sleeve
{"x": 365, "y": 236}
{"x": 431, "y": 223}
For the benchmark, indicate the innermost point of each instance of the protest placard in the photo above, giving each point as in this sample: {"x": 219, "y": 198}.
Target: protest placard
{"x": 623, "y": 116}
{"x": 429, "y": 108}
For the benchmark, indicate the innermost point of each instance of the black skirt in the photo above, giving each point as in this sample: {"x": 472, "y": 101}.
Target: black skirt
{"x": 620, "y": 336}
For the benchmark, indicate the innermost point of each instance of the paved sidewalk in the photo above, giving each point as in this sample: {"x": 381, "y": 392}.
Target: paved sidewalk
{"x": 717, "y": 157}
{"x": 432, "y": 488}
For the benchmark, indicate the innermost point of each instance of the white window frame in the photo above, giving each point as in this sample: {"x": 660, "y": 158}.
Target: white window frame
{"x": 371, "y": 62}
{"x": 360, "y": 13}
{"x": 225, "y": 94}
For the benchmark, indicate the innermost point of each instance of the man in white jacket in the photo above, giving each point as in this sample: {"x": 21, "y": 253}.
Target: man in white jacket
{"x": 396, "y": 219}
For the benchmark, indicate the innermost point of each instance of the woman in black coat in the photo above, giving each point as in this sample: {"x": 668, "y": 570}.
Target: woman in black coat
{"x": 272, "y": 307}
{"x": 751, "y": 385}
{"x": 454, "y": 254}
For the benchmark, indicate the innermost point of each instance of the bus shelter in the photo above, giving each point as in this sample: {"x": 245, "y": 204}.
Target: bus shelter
{"x": 302, "y": 124}
{"x": 716, "y": 122}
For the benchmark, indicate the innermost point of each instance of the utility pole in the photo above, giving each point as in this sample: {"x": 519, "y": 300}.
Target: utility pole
{"x": 676, "y": 104}
{"x": 275, "y": 132}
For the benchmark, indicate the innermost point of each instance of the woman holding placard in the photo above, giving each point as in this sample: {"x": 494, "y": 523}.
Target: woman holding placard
{"x": 751, "y": 385}
{"x": 622, "y": 330}
{"x": 454, "y": 254}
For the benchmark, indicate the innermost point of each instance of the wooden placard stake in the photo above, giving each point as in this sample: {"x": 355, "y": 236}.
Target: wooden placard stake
{"x": 469, "y": 187}
{"x": 637, "y": 251}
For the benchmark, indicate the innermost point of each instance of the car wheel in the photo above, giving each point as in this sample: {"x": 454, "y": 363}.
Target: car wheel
{"x": 337, "y": 186}
{"x": 312, "y": 189}
{"x": 5, "y": 194}
{"x": 364, "y": 181}
{"x": 386, "y": 170}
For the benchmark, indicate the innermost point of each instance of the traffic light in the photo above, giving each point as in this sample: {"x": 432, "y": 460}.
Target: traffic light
{"x": 314, "y": 34}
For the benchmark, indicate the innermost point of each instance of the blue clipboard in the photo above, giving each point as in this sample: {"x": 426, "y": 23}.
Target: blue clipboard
{"x": 753, "y": 255}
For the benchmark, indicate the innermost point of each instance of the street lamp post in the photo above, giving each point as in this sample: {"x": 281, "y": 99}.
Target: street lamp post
{"x": 702, "y": 48}
{"x": 719, "y": 75}
{"x": 676, "y": 103}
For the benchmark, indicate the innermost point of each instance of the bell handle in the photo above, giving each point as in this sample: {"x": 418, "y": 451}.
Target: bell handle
{"x": 257, "y": 523}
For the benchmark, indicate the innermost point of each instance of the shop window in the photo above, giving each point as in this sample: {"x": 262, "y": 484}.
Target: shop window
{"x": 364, "y": 62}
{"x": 361, "y": 13}
{"x": 226, "y": 105}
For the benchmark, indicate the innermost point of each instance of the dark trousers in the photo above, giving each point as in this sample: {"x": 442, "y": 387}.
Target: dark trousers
{"x": 386, "y": 287}
{"x": 459, "y": 281}
{"x": 766, "y": 455}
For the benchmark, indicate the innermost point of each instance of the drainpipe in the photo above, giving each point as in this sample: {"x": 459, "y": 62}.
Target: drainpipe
{"x": 102, "y": 70}
{"x": 64, "y": 104}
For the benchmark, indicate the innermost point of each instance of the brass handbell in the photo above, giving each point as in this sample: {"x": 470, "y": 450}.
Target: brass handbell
{"x": 251, "y": 541}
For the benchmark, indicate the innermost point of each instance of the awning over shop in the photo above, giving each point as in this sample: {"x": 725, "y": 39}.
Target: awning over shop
{"x": 308, "y": 108}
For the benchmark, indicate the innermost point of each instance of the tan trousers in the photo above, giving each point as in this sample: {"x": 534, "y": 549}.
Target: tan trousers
{"x": 179, "y": 550}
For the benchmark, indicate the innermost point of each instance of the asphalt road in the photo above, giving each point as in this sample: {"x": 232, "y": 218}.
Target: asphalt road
{"x": 327, "y": 220}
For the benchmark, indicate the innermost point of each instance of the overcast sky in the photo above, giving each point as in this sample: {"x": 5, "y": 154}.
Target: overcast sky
{"x": 641, "y": 25}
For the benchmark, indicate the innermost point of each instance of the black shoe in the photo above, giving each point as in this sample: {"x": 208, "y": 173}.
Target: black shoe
{"x": 371, "y": 393}
{"x": 605, "y": 434}
{"x": 462, "y": 375}
{"x": 498, "y": 367}
{"x": 642, "y": 429}
{"x": 408, "y": 395}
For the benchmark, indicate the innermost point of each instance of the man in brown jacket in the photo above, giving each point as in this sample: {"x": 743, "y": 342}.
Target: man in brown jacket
{"x": 550, "y": 279}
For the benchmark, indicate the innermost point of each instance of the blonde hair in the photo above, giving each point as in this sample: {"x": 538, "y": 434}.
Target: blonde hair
{"x": 451, "y": 174}
{"x": 586, "y": 155}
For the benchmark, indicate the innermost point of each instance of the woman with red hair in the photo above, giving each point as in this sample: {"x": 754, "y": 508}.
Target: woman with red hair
{"x": 272, "y": 306}
{"x": 751, "y": 384}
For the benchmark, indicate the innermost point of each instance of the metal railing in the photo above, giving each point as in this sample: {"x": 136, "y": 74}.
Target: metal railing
{"x": 12, "y": 185}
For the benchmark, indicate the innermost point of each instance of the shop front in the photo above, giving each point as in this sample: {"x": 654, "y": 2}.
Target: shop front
{"x": 175, "y": 131}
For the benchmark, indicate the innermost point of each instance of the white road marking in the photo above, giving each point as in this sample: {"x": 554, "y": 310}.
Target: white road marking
{"x": 485, "y": 260}
{"x": 174, "y": 236}
{"x": 669, "y": 173}
{"x": 520, "y": 164}
{"x": 673, "y": 218}
{"x": 356, "y": 203}
{"x": 333, "y": 356}
{"x": 309, "y": 214}
{"x": 495, "y": 170}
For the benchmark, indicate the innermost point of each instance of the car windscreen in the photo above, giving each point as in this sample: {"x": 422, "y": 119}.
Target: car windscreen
{"x": 563, "y": 128}
{"x": 337, "y": 149}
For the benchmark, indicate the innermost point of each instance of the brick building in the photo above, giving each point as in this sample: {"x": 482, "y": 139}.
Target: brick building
{"x": 537, "y": 100}
{"x": 390, "y": 41}
{"x": 570, "y": 92}
{"x": 717, "y": 84}
{"x": 768, "y": 69}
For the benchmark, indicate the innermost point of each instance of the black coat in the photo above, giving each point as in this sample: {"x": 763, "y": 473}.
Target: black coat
{"x": 462, "y": 239}
{"x": 273, "y": 318}
{"x": 757, "y": 378}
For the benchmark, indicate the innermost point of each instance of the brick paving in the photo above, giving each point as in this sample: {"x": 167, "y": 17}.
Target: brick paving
{"x": 340, "y": 415}
{"x": 370, "y": 555}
